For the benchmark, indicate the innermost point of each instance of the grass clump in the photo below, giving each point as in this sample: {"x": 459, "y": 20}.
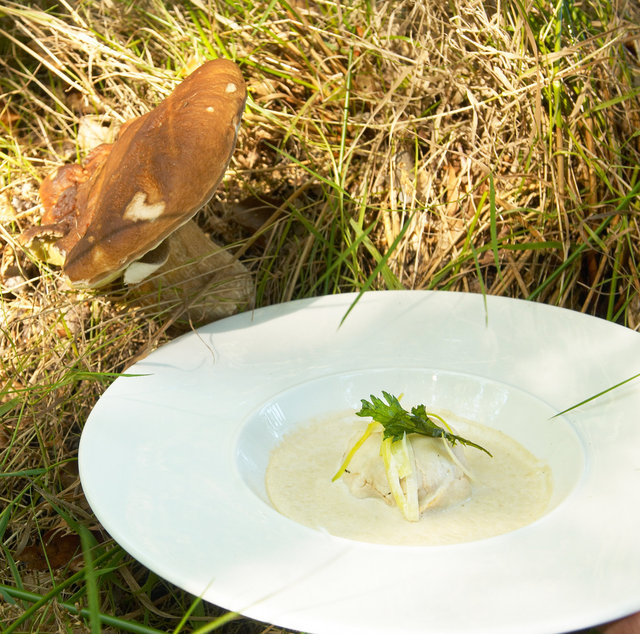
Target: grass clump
{"x": 470, "y": 146}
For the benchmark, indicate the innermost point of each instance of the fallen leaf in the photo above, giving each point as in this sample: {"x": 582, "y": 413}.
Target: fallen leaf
{"x": 55, "y": 548}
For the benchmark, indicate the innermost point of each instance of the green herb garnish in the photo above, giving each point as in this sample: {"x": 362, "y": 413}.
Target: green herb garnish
{"x": 397, "y": 421}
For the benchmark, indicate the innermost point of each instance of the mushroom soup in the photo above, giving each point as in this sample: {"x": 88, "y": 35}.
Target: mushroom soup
{"x": 505, "y": 492}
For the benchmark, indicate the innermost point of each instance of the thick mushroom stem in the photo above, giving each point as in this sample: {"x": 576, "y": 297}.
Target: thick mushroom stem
{"x": 198, "y": 275}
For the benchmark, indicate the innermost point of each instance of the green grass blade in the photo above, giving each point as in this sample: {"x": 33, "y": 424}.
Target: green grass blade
{"x": 120, "y": 625}
{"x": 378, "y": 268}
{"x": 493, "y": 225}
{"x": 483, "y": 288}
{"x": 41, "y": 601}
{"x": 598, "y": 395}
{"x": 87, "y": 541}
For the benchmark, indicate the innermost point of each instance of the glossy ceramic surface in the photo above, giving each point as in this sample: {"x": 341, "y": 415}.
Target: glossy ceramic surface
{"x": 172, "y": 462}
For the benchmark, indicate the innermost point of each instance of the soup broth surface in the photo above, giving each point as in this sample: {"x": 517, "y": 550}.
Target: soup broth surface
{"x": 509, "y": 491}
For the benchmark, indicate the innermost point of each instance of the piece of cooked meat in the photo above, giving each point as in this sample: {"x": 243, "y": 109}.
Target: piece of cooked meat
{"x": 441, "y": 482}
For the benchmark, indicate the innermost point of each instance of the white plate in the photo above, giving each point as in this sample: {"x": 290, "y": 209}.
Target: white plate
{"x": 172, "y": 462}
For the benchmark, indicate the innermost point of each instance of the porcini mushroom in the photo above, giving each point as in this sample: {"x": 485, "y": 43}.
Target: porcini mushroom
{"x": 128, "y": 197}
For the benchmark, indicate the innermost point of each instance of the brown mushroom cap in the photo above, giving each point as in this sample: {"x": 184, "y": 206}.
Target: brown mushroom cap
{"x": 162, "y": 169}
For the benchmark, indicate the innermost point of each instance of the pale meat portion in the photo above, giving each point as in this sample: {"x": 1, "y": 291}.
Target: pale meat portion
{"x": 441, "y": 482}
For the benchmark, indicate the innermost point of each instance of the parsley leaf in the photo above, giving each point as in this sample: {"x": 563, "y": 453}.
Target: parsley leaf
{"x": 396, "y": 421}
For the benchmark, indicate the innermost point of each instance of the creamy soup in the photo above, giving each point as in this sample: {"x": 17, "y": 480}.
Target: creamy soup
{"x": 508, "y": 491}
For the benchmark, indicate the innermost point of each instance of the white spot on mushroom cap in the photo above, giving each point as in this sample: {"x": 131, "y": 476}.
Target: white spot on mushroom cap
{"x": 138, "y": 209}
{"x": 209, "y": 108}
{"x": 231, "y": 87}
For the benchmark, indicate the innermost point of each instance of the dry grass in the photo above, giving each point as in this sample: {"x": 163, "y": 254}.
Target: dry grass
{"x": 466, "y": 145}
